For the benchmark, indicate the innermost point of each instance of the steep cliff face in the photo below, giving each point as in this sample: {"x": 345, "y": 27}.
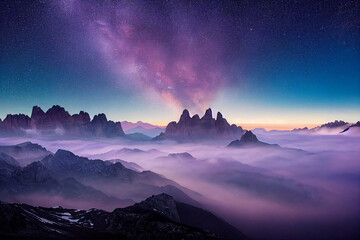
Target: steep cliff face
{"x": 193, "y": 128}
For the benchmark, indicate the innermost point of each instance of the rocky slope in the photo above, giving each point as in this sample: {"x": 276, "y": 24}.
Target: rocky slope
{"x": 194, "y": 128}
{"x": 158, "y": 217}
{"x": 72, "y": 177}
{"x": 36, "y": 179}
{"x": 25, "y": 153}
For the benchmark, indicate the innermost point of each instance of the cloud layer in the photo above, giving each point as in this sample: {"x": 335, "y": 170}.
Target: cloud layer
{"x": 307, "y": 187}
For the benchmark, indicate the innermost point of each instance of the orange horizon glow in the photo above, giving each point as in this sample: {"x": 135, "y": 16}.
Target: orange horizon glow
{"x": 276, "y": 126}
{"x": 266, "y": 126}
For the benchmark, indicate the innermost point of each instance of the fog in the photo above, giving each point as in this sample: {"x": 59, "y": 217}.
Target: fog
{"x": 309, "y": 188}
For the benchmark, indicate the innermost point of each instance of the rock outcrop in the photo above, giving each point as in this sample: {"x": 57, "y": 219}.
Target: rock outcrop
{"x": 195, "y": 128}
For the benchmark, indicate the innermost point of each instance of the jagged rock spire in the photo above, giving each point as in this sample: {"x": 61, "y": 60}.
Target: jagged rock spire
{"x": 185, "y": 116}
{"x": 192, "y": 128}
{"x": 208, "y": 114}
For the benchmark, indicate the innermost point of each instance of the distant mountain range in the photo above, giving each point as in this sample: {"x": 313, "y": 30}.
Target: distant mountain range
{"x": 158, "y": 217}
{"x": 58, "y": 121}
{"x": 336, "y": 127}
{"x": 205, "y": 128}
{"x": 65, "y": 175}
{"x": 130, "y": 125}
{"x": 148, "y": 132}
{"x": 142, "y": 127}
{"x": 72, "y": 181}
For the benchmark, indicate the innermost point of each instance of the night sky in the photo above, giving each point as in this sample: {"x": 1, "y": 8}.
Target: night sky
{"x": 288, "y": 62}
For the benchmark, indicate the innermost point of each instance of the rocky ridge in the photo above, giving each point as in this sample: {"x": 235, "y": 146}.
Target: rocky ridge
{"x": 194, "y": 128}
{"x": 58, "y": 121}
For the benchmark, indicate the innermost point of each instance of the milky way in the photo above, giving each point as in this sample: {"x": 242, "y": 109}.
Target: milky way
{"x": 176, "y": 52}
{"x": 153, "y": 58}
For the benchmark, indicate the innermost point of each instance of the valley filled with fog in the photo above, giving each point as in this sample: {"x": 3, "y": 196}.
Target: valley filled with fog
{"x": 306, "y": 186}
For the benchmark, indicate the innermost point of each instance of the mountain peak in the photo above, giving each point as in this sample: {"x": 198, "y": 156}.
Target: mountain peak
{"x": 195, "y": 117}
{"x": 64, "y": 153}
{"x": 250, "y": 140}
{"x": 335, "y": 124}
{"x": 185, "y": 116}
{"x": 208, "y": 114}
{"x": 249, "y": 137}
{"x": 57, "y": 110}
{"x": 219, "y": 116}
{"x": 162, "y": 203}
{"x": 37, "y": 112}
{"x": 101, "y": 118}
{"x": 185, "y": 113}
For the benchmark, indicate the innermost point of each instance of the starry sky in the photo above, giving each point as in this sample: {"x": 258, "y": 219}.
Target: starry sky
{"x": 258, "y": 62}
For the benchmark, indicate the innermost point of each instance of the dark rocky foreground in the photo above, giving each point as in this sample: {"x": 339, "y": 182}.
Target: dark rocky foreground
{"x": 158, "y": 217}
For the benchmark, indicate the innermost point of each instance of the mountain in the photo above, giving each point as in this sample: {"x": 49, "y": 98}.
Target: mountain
{"x": 58, "y": 121}
{"x": 126, "y": 153}
{"x": 25, "y": 153}
{"x": 158, "y": 217}
{"x": 250, "y": 140}
{"x": 130, "y": 125}
{"x": 15, "y": 124}
{"x": 129, "y": 165}
{"x": 196, "y": 128}
{"x": 7, "y": 166}
{"x": 98, "y": 173}
{"x": 66, "y": 164}
{"x": 198, "y": 217}
{"x": 353, "y": 129}
{"x": 93, "y": 180}
{"x": 138, "y": 137}
{"x": 334, "y": 124}
{"x": 153, "y": 132}
{"x": 182, "y": 156}
{"x": 337, "y": 127}
{"x": 36, "y": 179}
{"x": 331, "y": 128}
{"x": 188, "y": 214}
{"x": 6, "y": 159}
